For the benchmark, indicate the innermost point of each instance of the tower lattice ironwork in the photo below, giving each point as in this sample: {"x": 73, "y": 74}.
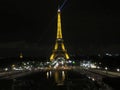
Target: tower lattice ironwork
{"x": 59, "y": 48}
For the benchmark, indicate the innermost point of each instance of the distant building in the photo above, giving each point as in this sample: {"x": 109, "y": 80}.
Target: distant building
{"x": 21, "y": 55}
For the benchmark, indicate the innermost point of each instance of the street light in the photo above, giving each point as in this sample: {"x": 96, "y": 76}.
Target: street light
{"x": 93, "y": 79}
{"x": 118, "y": 69}
{"x": 98, "y": 67}
{"x": 106, "y": 68}
{"x": 6, "y": 69}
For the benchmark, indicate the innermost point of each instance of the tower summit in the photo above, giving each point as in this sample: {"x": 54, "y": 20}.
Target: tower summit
{"x": 59, "y": 50}
{"x": 59, "y": 30}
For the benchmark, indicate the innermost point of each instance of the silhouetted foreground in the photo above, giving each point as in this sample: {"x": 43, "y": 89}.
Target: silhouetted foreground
{"x": 113, "y": 82}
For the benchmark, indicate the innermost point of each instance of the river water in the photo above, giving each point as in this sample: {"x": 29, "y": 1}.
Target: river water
{"x": 51, "y": 80}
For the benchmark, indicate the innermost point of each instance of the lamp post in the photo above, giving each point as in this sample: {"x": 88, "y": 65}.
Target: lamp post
{"x": 106, "y": 69}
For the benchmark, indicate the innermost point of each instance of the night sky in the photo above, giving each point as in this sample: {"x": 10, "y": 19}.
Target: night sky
{"x": 29, "y": 26}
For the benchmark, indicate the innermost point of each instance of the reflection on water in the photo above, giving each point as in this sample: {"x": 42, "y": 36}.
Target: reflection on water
{"x": 52, "y": 80}
{"x": 59, "y": 76}
{"x": 49, "y": 74}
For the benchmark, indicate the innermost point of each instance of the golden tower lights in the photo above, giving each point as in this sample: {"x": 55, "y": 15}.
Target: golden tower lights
{"x": 59, "y": 48}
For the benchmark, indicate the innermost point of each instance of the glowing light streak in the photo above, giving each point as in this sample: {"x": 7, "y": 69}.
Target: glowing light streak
{"x": 63, "y": 4}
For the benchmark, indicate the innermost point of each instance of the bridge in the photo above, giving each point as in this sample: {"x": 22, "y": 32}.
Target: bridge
{"x": 95, "y": 73}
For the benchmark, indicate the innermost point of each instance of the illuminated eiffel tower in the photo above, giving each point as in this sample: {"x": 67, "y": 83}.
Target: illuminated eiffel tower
{"x": 59, "y": 48}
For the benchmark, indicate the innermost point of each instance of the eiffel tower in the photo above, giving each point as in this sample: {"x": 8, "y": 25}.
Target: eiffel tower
{"x": 59, "y": 48}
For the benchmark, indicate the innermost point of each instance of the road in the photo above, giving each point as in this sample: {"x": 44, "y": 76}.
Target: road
{"x": 15, "y": 74}
{"x": 97, "y": 74}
